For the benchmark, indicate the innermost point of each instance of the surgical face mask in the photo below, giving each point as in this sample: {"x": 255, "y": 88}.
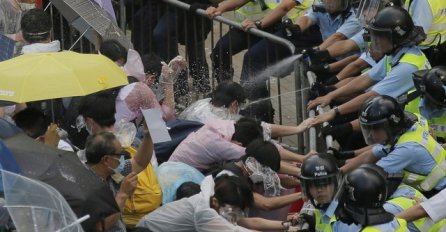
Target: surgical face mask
{"x": 121, "y": 165}
{"x": 27, "y": 6}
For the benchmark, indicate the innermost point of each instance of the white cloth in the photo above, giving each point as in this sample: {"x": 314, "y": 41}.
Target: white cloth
{"x": 62, "y": 145}
{"x": 53, "y": 46}
{"x": 203, "y": 110}
{"x": 189, "y": 214}
{"x": 434, "y": 206}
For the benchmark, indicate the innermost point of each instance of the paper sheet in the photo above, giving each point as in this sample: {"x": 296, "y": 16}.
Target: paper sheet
{"x": 156, "y": 125}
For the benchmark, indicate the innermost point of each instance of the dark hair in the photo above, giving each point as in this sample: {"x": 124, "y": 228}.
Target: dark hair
{"x": 246, "y": 130}
{"x": 113, "y": 50}
{"x": 36, "y": 26}
{"x": 99, "y": 145}
{"x": 31, "y": 119}
{"x": 233, "y": 190}
{"x": 100, "y": 107}
{"x": 264, "y": 152}
{"x": 152, "y": 64}
{"x": 187, "y": 189}
{"x": 227, "y": 92}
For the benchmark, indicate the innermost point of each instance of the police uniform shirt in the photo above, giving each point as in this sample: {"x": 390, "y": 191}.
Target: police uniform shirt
{"x": 434, "y": 206}
{"x": 409, "y": 156}
{"x": 359, "y": 40}
{"x": 399, "y": 80}
{"x": 348, "y": 26}
{"x": 421, "y": 14}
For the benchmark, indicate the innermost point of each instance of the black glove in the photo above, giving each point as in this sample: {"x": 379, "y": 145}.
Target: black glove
{"x": 317, "y": 89}
{"x": 332, "y": 80}
{"x": 320, "y": 56}
{"x": 293, "y": 30}
{"x": 342, "y": 155}
{"x": 338, "y": 131}
{"x": 320, "y": 69}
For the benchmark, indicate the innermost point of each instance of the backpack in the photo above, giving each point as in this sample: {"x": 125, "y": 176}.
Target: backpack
{"x": 178, "y": 129}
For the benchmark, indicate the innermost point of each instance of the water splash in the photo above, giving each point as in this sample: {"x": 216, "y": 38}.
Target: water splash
{"x": 272, "y": 97}
{"x": 280, "y": 69}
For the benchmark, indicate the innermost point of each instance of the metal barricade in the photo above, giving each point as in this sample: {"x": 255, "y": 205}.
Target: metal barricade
{"x": 133, "y": 19}
{"x": 318, "y": 142}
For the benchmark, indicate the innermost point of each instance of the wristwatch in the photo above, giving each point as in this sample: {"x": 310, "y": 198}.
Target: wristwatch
{"x": 258, "y": 24}
{"x": 336, "y": 110}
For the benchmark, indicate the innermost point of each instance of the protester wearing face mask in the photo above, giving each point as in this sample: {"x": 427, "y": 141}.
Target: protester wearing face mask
{"x": 218, "y": 207}
{"x": 102, "y": 119}
{"x": 430, "y": 85}
{"x": 105, "y": 159}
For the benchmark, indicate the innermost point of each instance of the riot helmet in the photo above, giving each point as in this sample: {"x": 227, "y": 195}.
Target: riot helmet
{"x": 319, "y": 179}
{"x": 382, "y": 120}
{"x": 431, "y": 84}
{"x": 331, "y": 6}
{"x": 364, "y": 194}
{"x": 392, "y": 28}
{"x": 368, "y": 9}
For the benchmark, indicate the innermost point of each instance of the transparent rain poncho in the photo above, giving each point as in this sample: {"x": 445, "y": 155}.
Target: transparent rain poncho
{"x": 203, "y": 110}
{"x": 36, "y": 206}
{"x": 260, "y": 173}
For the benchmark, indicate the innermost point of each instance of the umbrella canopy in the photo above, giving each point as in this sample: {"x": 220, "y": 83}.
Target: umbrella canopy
{"x": 42, "y": 76}
{"x": 42, "y": 209}
{"x": 83, "y": 190}
{"x": 87, "y": 16}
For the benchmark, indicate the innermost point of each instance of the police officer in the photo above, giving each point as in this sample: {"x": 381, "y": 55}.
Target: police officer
{"x": 400, "y": 145}
{"x": 320, "y": 178}
{"x": 336, "y": 20}
{"x": 250, "y": 14}
{"x": 392, "y": 33}
{"x": 363, "y": 197}
{"x": 431, "y": 86}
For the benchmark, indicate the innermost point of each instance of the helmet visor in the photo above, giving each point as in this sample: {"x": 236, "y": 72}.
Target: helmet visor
{"x": 381, "y": 40}
{"x": 320, "y": 190}
{"x": 367, "y": 10}
{"x": 378, "y": 132}
{"x": 332, "y": 6}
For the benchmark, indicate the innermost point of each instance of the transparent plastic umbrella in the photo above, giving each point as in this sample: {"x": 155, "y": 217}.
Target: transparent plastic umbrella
{"x": 36, "y": 206}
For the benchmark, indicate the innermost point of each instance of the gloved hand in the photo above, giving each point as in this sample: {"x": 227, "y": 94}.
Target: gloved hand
{"x": 338, "y": 131}
{"x": 320, "y": 56}
{"x": 293, "y": 30}
{"x": 342, "y": 155}
{"x": 320, "y": 69}
{"x": 317, "y": 89}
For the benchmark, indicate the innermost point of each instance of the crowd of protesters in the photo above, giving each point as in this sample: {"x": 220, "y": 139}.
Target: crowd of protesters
{"x": 379, "y": 65}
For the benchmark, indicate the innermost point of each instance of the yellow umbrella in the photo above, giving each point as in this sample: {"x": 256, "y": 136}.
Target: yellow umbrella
{"x": 41, "y": 76}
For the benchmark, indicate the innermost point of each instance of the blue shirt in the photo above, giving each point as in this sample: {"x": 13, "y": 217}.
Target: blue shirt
{"x": 359, "y": 40}
{"x": 365, "y": 56}
{"x": 399, "y": 80}
{"x": 421, "y": 13}
{"x": 409, "y": 156}
{"x": 348, "y": 26}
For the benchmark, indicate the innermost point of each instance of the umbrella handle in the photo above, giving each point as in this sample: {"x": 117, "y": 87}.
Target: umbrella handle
{"x": 78, "y": 221}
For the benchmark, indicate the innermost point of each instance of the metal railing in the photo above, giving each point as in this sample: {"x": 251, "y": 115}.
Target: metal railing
{"x": 316, "y": 141}
{"x": 127, "y": 20}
